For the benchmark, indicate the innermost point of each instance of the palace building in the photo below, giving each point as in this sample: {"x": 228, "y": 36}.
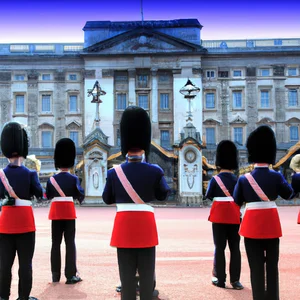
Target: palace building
{"x": 243, "y": 83}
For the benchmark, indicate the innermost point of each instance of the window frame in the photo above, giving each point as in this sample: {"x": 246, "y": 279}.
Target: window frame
{"x": 126, "y": 102}
{"x": 17, "y": 75}
{"x": 164, "y": 141}
{"x": 148, "y": 100}
{"x": 77, "y": 132}
{"x": 214, "y": 138}
{"x": 292, "y": 68}
{"x": 43, "y": 79}
{"x": 288, "y": 98}
{"x": 290, "y": 133}
{"x": 50, "y": 103}
{"x": 51, "y": 138}
{"x": 24, "y": 104}
{"x": 237, "y": 70}
{"x": 234, "y": 128}
{"x": 261, "y": 72}
{"x": 234, "y": 92}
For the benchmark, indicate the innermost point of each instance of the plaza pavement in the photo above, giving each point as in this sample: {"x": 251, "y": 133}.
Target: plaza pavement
{"x": 184, "y": 257}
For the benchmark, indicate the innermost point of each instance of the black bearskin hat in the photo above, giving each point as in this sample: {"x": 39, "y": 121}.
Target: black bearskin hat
{"x": 64, "y": 153}
{"x": 14, "y": 140}
{"x": 135, "y": 130}
{"x": 227, "y": 155}
{"x": 261, "y": 145}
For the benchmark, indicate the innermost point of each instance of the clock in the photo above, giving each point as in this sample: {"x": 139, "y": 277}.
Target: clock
{"x": 190, "y": 156}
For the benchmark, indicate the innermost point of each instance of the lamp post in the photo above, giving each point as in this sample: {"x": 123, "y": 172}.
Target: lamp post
{"x": 189, "y": 91}
{"x": 96, "y": 92}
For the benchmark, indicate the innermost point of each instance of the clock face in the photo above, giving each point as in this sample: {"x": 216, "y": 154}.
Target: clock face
{"x": 190, "y": 156}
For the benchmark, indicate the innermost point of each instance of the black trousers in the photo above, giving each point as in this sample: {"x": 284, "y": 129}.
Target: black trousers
{"x": 23, "y": 244}
{"x": 130, "y": 261}
{"x": 64, "y": 228}
{"x": 221, "y": 234}
{"x": 263, "y": 257}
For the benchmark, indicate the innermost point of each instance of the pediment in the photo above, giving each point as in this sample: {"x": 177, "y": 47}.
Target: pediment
{"x": 238, "y": 120}
{"x": 292, "y": 121}
{"x": 266, "y": 121}
{"x": 142, "y": 41}
{"x": 211, "y": 121}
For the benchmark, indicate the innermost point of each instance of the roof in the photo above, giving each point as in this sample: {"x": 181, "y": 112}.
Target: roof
{"x": 146, "y": 24}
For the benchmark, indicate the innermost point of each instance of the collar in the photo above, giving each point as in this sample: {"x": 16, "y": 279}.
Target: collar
{"x": 261, "y": 165}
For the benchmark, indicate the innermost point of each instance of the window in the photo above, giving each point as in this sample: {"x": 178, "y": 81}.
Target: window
{"x": 210, "y": 74}
{"x": 293, "y": 97}
{"x": 237, "y": 99}
{"x": 20, "y": 77}
{"x": 20, "y": 104}
{"x": 46, "y": 139}
{"x": 165, "y": 138}
{"x": 73, "y": 103}
{"x": 72, "y": 77}
{"x": 237, "y": 73}
{"x": 264, "y": 99}
{"x": 143, "y": 101}
{"x": 46, "y": 77}
{"x": 210, "y": 136}
{"x": 238, "y": 135}
{"x": 74, "y": 137}
{"x": 121, "y": 101}
{"x": 46, "y": 103}
{"x": 294, "y": 133}
{"x": 210, "y": 100}
{"x": 264, "y": 72}
{"x": 164, "y": 101}
{"x": 292, "y": 71}
{"x": 142, "y": 81}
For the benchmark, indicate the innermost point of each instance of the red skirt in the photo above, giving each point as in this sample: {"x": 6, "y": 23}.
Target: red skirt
{"x": 225, "y": 211}
{"x": 134, "y": 227}
{"x": 17, "y": 218}
{"x": 298, "y": 220}
{"x": 261, "y": 221}
{"x": 62, "y": 208}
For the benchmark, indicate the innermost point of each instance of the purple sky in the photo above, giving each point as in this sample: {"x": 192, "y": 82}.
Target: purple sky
{"x": 62, "y": 20}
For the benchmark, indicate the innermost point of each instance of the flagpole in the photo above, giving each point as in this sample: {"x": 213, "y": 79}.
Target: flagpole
{"x": 142, "y": 12}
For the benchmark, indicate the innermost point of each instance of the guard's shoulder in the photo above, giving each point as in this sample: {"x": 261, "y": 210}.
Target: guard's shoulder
{"x": 156, "y": 168}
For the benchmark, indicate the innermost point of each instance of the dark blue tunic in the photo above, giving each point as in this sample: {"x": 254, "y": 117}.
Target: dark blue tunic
{"x": 214, "y": 190}
{"x": 271, "y": 182}
{"x": 24, "y": 182}
{"x": 69, "y": 184}
{"x": 146, "y": 179}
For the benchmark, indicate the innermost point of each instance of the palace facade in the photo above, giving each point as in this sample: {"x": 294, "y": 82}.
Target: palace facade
{"x": 244, "y": 83}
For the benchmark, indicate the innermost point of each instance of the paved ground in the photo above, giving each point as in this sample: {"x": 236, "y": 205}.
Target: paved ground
{"x": 184, "y": 257}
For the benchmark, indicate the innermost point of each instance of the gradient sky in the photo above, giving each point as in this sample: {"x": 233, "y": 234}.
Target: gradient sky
{"x": 62, "y": 21}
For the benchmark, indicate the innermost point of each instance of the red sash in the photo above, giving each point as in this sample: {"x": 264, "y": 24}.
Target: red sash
{"x": 261, "y": 219}
{"x": 63, "y": 207}
{"x": 134, "y": 225}
{"x": 16, "y": 218}
{"x": 224, "y": 210}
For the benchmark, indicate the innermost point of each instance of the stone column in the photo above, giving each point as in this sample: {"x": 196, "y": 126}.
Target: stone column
{"x": 5, "y": 97}
{"x": 33, "y": 105}
{"x": 154, "y": 106}
{"x": 280, "y": 115}
{"x": 251, "y": 105}
{"x": 59, "y": 106}
{"x": 224, "y": 95}
{"x": 131, "y": 87}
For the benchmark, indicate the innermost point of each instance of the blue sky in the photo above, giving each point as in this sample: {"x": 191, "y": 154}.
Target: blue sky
{"x": 63, "y": 20}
